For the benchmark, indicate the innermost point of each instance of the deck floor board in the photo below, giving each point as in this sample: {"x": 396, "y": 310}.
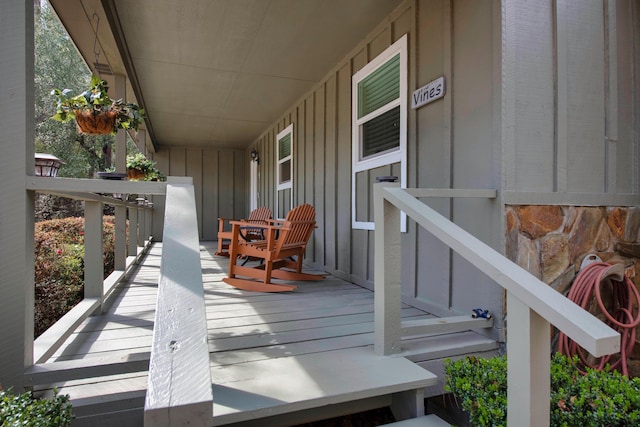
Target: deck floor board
{"x": 330, "y": 315}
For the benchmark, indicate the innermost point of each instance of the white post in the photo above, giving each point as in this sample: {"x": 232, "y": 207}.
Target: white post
{"x": 142, "y": 226}
{"x": 133, "y": 231}
{"x": 120, "y": 249}
{"x": 528, "y": 362}
{"x": 93, "y": 261}
{"x": 387, "y": 274}
{"x": 16, "y": 208}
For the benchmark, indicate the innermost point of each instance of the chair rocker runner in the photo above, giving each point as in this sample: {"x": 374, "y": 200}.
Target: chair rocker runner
{"x": 282, "y": 241}
{"x": 257, "y": 216}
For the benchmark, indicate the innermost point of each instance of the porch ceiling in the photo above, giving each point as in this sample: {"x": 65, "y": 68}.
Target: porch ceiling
{"x": 218, "y": 73}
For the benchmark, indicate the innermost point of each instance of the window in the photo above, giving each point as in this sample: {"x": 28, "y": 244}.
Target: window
{"x": 379, "y": 97}
{"x": 284, "y": 171}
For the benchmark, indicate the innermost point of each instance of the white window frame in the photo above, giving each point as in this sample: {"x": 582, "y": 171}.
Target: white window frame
{"x": 289, "y": 184}
{"x": 390, "y": 156}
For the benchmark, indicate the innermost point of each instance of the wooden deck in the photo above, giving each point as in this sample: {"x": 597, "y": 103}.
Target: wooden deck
{"x": 243, "y": 327}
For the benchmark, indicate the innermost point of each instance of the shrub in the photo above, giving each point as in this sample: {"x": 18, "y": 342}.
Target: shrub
{"x": 59, "y": 266}
{"x": 24, "y": 410}
{"x": 599, "y": 398}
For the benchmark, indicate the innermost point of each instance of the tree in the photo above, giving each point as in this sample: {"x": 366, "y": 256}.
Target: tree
{"x": 58, "y": 64}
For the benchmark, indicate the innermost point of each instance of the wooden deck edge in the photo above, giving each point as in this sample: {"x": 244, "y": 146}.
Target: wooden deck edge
{"x": 49, "y": 373}
{"x": 245, "y": 392}
{"x": 450, "y": 345}
{"x": 116, "y": 276}
{"x": 47, "y": 343}
{"x": 444, "y": 325}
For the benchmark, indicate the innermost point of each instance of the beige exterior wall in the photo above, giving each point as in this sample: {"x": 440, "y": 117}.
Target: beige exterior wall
{"x": 571, "y": 96}
{"x": 452, "y": 143}
{"x": 220, "y": 181}
{"x": 541, "y": 104}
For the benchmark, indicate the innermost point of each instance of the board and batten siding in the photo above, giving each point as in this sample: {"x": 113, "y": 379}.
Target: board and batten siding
{"x": 220, "y": 183}
{"x": 571, "y": 98}
{"x": 452, "y": 143}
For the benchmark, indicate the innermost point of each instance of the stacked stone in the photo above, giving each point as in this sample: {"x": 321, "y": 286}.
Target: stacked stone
{"x": 551, "y": 241}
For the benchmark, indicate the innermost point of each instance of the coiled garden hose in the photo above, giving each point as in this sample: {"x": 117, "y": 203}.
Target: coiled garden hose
{"x": 621, "y": 314}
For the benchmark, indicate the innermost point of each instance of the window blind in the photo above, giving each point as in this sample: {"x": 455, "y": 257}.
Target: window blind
{"x": 284, "y": 146}
{"x": 380, "y": 87}
{"x": 381, "y": 133}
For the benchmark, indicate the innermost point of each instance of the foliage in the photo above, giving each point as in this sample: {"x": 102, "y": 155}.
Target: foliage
{"x": 57, "y": 62}
{"x": 59, "y": 266}
{"x": 481, "y": 386}
{"x": 49, "y": 206}
{"x": 96, "y": 99}
{"x": 139, "y": 162}
{"x": 24, "y": 410}
{"x": 599, "y": 398}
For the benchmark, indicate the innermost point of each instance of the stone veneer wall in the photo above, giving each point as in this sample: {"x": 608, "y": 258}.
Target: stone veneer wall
{"x": 551, "y": 241}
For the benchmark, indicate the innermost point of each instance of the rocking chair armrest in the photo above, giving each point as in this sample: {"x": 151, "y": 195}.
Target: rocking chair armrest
{"x": 221, "y": 222}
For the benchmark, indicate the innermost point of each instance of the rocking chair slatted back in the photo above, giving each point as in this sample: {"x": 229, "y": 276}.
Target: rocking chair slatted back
{"x": 283, "y": 240}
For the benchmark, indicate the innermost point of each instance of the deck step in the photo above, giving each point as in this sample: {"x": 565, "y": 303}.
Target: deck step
{"x": 444, "y": 325}
{"x": 449, "y": 345}
{"x": 425, "y": 421}
{"x": 263, "y": 388}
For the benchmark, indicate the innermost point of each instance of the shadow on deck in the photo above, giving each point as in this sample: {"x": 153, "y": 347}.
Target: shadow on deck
{"x": 269, "y": 353}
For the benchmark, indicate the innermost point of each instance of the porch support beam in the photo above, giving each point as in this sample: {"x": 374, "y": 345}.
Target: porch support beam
{"x": 120, "y": 232}
{"x": 387, "y": 274}
{"x": 133, "y": 231}
{"x": 16, "y": 208}
{"x": 93, "y": 260}
{"x": 528, "y": 365}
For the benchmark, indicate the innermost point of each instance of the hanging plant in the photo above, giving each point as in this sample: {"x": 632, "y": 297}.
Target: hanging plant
{"x": 94, "y": 111}
{"x": 139, "y": 168}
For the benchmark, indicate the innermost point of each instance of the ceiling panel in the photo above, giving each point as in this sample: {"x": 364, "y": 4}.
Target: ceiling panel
{"x": 220, "y": 72}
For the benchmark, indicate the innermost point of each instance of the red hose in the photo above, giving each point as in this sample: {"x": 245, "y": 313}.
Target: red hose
{"x": 623, "y": 316}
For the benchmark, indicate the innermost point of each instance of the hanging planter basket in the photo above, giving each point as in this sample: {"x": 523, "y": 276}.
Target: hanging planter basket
{"x": 96, "y": 122}
{"x": 135, "y": 174}
{"x": 95, "y": 112}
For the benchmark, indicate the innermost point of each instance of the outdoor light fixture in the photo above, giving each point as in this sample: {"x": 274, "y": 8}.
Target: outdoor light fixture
{"x": 254, "y": 155}
{"x": 47, "y": 165}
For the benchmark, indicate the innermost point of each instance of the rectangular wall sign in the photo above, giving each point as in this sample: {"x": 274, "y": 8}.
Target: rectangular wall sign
{"x": 428, "y": 93}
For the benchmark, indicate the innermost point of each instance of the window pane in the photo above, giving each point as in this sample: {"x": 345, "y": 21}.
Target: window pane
{"x": 285, "y": 172}
{"x": 380, "y": 87}
{"x": 284, "y": 146}
{"x": 381, "y": 133}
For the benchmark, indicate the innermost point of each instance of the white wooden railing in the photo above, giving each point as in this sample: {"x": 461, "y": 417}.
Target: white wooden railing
{"x": 532, "y": 305}
{"x": 96, "y": 288}
{"x": 179, "y": 390}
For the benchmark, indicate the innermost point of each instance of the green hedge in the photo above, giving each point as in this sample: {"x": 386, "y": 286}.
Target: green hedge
{"x": 59, "y": 266}
{"x": 599, "y": 398}
{"x": 24, "y": 410}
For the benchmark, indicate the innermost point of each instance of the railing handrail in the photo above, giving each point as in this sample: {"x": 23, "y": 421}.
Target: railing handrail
{"x": 87, "y": 186}
{"x": 99, "y": 289}
{"x": 179, "y": 386}
{"x": 581, "y": 326}
{"x": 533, "y": 304}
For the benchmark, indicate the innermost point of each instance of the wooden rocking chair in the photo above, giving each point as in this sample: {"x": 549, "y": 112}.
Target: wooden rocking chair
{"x": 257, "y": 216}
{"x": 283, "y": 241}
